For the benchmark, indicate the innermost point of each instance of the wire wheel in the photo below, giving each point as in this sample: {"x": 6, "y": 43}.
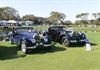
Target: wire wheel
{"x": 65, "y": 42}
{"x": 23, "y": 47}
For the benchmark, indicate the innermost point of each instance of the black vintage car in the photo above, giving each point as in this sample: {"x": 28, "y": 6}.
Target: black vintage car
{"x": 26, "y": 38}
{"x": 66, "y": 37}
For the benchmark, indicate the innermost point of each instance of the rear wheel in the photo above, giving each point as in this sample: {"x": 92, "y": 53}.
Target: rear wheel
{"x": 65, "y": 42}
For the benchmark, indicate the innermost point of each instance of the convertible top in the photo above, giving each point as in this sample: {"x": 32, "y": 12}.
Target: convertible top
{"x": 62, "y": 27}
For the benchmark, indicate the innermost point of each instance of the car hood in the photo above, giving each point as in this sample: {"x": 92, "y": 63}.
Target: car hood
{"x": 28, "y": 34}
{"x": 76, "y": 35}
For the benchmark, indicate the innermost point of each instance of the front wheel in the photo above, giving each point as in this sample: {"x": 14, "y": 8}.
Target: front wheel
{"x": 11, "y": 41}
{"x": 65, "y": 42}
{"x": 24, "y": 47}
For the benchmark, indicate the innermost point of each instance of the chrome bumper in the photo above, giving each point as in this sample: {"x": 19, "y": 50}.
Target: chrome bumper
{"x": 33, "y": 47}
{"x": 46, "y": 45}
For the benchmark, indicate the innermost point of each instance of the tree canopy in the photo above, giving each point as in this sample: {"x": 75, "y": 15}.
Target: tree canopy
{"x": 56, "y": 16}
{"x": 29, "y": 17}
{"x": 9, "y": 13}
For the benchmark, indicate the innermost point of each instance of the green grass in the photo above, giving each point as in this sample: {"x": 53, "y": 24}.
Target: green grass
{"x": 59, "y": 58}
{"x": 40, "y": 26}
{"x": 93, "y": 29}
{"x": 97, "y": 29}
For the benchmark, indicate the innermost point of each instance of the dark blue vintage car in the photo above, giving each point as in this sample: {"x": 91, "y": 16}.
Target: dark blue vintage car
{"x": 66, "y": 36}
{"x": 26, "y": 38}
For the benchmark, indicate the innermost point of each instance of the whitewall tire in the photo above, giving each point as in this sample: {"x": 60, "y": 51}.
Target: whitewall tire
{"x": 65, "y": 42}
{"x": 23, "y": 47}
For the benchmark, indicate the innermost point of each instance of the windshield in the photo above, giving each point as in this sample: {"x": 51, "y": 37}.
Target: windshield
{"x": 24, "y": 30}
{"x": 68, "y": 31}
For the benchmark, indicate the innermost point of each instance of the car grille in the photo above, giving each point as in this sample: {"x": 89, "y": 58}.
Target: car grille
{"x": 77, "y": 38}
{"x": 82, "y": 37}
{"x": 37, "y": 38}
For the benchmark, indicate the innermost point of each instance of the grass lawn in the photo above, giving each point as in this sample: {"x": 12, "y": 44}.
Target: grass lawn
{"x": 59, "y": 58}
{"x": 40, "y": 26}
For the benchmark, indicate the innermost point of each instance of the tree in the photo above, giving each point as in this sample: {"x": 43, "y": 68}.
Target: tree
{"x": 94, "y": 15}
{"x": 97, "y": 18}
{"x": 83, "y": 17}
{"x": 29, "y": 18}
{"x": 98, "y": 15}
{"x": 67, "y": 22}
{"x": 77, "y": 22}
{"x": 9, "y": 13}
{"x": 40, "y": 20}
{"x": 56, "y": 16}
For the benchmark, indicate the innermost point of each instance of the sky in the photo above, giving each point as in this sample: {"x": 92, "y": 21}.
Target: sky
{"x": 43, "y": 8}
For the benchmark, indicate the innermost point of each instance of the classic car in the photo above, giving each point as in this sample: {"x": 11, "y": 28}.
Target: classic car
{"x": 26, "y": 38}
{"x": 65, "y": 36}
{"x": 2, "y": 35}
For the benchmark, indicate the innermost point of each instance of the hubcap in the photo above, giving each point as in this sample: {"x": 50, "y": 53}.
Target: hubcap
{"x": 65, "y": 42}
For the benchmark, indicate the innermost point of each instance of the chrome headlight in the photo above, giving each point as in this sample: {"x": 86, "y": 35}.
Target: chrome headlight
{"x": 34, "y": 35}
{"x": 45, "y": 39}
{"x": 83, "y": 36}
{"x": 33, "y": 40}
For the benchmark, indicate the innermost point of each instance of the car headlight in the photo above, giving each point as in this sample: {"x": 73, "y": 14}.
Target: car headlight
{"x": 33, "y": 40}
{"x": 83, "y": 36}
{"x": 41, "y": 43}
{"x": 45, "y": 39}
{"x": 34, "y": 35}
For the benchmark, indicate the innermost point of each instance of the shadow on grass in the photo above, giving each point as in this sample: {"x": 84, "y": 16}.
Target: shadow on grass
{"x": 73, "y": 45}
{"x": 12, "y": 52}
{"x": 80, "y": 45}
{"x": 9, "y": 53}
{"x": 43, "y": 51}
{"x": 93, "y": 44}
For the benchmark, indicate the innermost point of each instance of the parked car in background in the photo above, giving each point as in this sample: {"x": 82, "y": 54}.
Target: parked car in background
{"x": 2, "y": 35}
{"x": 66, "y": 37}
{"x": 26, "y": 38}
